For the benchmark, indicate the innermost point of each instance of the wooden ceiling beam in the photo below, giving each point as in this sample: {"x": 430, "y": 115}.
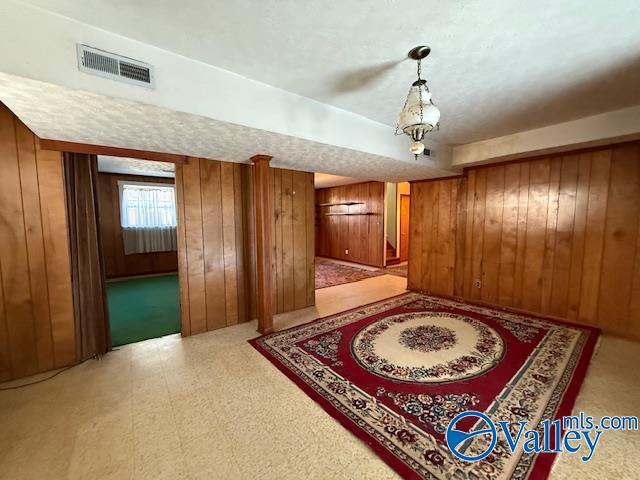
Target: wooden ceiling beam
{"x": 61, "y": 146}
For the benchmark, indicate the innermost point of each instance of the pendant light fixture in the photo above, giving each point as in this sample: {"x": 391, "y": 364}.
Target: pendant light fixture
{"x": 419, "y": 115}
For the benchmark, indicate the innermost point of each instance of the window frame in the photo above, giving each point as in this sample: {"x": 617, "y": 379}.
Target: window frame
{"x": 122, "y": 183}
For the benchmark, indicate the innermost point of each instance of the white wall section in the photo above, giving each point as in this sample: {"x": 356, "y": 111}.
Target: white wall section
{"x": 619, "y": 125}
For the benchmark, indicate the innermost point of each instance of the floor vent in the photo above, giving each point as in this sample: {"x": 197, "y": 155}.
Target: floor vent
{"x": 116, "y": 67}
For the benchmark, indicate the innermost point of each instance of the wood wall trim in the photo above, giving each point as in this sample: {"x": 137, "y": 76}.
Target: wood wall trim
{"x": 264, "y": 243}
{"x": 61, "y": 146}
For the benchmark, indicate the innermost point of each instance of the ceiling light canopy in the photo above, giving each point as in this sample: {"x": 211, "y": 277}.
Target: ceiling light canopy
{"x": 419, "y": 115}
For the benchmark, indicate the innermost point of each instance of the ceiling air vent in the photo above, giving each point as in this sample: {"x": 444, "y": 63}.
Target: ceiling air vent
{"x": 116, "y": 67}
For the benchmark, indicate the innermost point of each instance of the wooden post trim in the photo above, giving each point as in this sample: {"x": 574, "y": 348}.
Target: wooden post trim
{"x": 264, "y": 247}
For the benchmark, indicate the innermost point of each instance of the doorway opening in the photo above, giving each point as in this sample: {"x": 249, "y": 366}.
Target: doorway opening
{"x": 397, "y": 228}
{"x": 358, "y": 230}
{"x": 138, "y": 221}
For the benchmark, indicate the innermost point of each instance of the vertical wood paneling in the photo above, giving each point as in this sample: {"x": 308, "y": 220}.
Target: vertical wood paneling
{"x": 509, "y": 235}
{"x": 594, "y": 236}
{"x": 361, "y": 233}
{"x": 276, "y": 234}
{"x": 287, "y": 271}
{"x": 564, "y": 235}
{"x": 299, "y": 221}
{"x": 13, "y": 256}
{"x": 557, "y": 235}
{"x": 5, "y": 358}
{"x": 217, "y": 243}
{"x": 459, "y": 232}
{"x": 467, "y": 261}
{"x": 249, "y": 214}
{"x": 310, "y": 239}
{"x": 620, "y": 239}
{"x": 521, "y": 233}
{"x": 427, "y": 236}
{"x": 416, "y": 209}
{"x": 36, "y": 309}
{"x": 212, "y": 234}
{"x": 241, "y": 260}
{"x": 432, "y": 235}
{"x": 229, "y": 217}
{"x": 535, "y": 235}
{"x": 550, "y": 237}
{"x": 35, "y": 246}
{"x": 56, "y": 247}
{"x": 492, "y": 235}
{"x": 477, "y": 230}
{"x": 294, "y": 240}
{"x": 577, "y": 247}
{"x": 191, "y": 196}
{"x": 183, "y": 263}
{"x": 633, "y": 325}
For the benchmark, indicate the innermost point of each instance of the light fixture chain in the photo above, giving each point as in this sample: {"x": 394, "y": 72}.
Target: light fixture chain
{"x": 420, "y": 90}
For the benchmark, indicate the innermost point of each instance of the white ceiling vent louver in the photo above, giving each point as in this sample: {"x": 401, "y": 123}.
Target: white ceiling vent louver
{"x": 116, "y": 67}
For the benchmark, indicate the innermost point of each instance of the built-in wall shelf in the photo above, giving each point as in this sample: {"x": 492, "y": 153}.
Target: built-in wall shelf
{"x": 339, "y": 203}
{"x": 365, "y": 213}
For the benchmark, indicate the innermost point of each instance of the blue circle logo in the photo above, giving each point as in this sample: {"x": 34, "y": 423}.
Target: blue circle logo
{"x": 457, "y": 439}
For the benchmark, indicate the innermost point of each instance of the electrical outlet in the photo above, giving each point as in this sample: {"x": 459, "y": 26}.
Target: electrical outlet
{"x": 478, "y": 284}
{"x": 346, "y": 251}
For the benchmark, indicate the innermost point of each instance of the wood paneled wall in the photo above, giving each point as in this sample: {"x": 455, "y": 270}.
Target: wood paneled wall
{"x": 216, "y": 237}
{"x": 216, "y": 243}
{"x": 213, "y": 251}
{"x": 37, "y": 330}
{"x": 117, "y": 264}
{"x": 557, "y": 235}
{"x": 432, "y": 236}
{"x": 293, "y": 268}
{"x": 361, "y": 232}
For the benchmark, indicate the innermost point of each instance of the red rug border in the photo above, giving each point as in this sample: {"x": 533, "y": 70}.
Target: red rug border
{"x": 543, "y": 463}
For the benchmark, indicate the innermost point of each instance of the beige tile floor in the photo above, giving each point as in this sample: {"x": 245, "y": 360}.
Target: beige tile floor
{"x": 211, "y": 407}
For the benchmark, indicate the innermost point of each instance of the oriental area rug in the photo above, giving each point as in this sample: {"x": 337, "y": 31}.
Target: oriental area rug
{"x": 329, "y": 273}
{"x": 396, "y": 372}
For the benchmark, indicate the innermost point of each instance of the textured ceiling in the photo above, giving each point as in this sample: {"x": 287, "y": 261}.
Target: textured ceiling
{"x": 134, "y": 166}
{"x": 324, "y": 180}
{"x": 60, "y": 113}
{"x": 497, "y": 66}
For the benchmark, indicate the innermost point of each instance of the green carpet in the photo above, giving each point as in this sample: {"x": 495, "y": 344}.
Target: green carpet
{"x": 143, "y": 308}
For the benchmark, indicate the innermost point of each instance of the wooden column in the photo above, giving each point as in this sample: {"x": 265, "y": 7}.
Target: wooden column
{"x": 264, "y": 247}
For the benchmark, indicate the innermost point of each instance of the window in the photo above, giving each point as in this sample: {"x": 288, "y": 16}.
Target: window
{"x": 147, "y": 205}
{"x": 148, "y": 217}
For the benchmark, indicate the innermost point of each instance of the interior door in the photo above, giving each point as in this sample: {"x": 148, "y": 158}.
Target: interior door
{"x": 404, "y": 227}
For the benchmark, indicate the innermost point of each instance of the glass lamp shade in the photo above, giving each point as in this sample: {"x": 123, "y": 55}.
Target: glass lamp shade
{"x": 410, "y": 120}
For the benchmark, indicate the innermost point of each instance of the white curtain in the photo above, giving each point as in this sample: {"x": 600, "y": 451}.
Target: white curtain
{"x": 148, "y": 217}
